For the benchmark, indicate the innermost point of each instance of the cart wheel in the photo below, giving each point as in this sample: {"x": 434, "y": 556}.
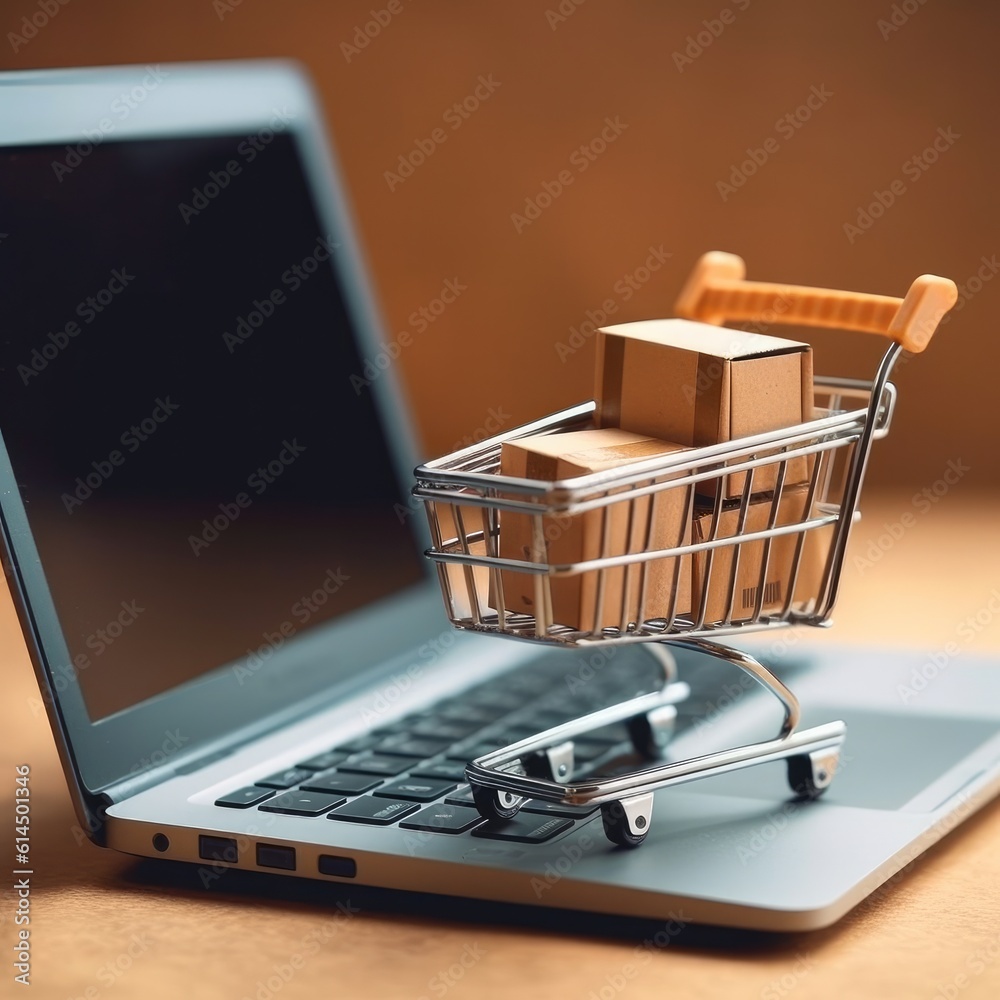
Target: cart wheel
{"x": 627, "y": 821}
{"x": 810, "y": 775}
{"x": 650, "y": 733}
{"x": 495, "y": 804}
{"x": 555, "y": 764}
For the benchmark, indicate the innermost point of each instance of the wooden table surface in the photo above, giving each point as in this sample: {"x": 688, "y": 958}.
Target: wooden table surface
{"x": 106, "y": 925}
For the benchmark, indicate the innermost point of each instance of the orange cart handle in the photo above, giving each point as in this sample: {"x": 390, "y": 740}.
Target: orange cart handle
{"x": 716, "y": 292}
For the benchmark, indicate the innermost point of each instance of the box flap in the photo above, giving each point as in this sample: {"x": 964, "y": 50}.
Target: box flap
{"x": 549, "y": 457}
{"x": 718, "y": 341}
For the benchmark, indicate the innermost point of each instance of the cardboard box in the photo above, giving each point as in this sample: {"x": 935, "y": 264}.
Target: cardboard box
{"x": 781, "y": 557}
{"x": 571, "y": 539}
{"x": 700, "y": 385}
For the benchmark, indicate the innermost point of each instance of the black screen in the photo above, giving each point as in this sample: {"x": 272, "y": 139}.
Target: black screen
{"x": 201, "y": 478}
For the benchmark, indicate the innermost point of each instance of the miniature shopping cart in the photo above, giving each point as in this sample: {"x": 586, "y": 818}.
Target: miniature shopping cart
{"x": 466, "y": 500}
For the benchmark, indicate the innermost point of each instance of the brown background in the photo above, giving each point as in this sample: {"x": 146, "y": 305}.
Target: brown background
{"x": 107, "y": 926}
{"x": 494, "y": 350}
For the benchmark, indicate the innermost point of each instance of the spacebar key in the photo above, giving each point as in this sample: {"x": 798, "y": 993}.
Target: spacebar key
{"x": 525, "y": 828}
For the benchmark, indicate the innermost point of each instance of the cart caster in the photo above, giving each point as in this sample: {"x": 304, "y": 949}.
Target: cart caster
{"x": 650, "y": 733}
{"x": 810, "y": 775}
{"x": 627, "y": 821}
{"x": 555, "y": 763}
{"x": 494, "y": 803}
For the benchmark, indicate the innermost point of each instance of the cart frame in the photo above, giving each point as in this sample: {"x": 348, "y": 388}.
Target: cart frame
{"x": 466, "y": 485}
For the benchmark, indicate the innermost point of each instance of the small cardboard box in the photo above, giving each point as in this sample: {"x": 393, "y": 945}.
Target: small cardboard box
{"x": 781, "y": 558}
{"x": 576, "y": 538}
{"x": 700, "y": 385}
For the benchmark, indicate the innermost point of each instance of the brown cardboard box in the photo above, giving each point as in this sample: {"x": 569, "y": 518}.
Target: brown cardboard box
{"x": 570, "y": 539}
{"x": 815, "y": 551}
{"x": 699, "y": 385}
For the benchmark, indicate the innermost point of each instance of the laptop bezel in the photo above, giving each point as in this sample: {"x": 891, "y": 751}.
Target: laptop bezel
{"x": 117, "y": 755}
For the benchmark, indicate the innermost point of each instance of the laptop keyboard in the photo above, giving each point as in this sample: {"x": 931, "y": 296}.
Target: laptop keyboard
{"x": 411, "y": 772}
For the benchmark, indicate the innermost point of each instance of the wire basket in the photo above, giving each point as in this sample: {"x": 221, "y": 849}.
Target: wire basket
{"x": 761, "y": 561}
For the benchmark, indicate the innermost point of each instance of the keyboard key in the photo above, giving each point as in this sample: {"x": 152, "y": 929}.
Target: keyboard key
{"x": 416, "y": 789}
{"x": 405, "y": 745}
{"x": 461, "y": 797}
{"x": 243, "y": 798}
{"x": 340, "y": 784}
{"x": 303, "y": 803}
{"x": 323, "y": 761}
{"x": 380, "y": 812}
{"x": 464, "y": 711}
{"x": 399, "y": 726}
{"x": 363, "y": 742}
{"x": 496, "y": 700}
{"x": 285, "y": 779}
{"x": 557, "y": 809}
{"x": 382, "y": 764}
{"x": 467, "y": 753}
{"x": 443, "y": 819}
{"x": 525, "y": 828}
{"x": 528, "y": 682}
{"x": 445, "y": 729}
{"x": 446, "y": 770}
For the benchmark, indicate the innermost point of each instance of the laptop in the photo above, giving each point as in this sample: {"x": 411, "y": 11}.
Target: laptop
{"x": 206, "y": 460}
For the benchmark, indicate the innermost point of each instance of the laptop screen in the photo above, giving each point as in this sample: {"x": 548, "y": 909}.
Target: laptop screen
{"x": 203, "y": 479}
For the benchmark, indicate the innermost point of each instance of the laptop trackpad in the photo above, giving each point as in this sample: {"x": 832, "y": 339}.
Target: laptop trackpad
{"x": 886, "y": 761}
